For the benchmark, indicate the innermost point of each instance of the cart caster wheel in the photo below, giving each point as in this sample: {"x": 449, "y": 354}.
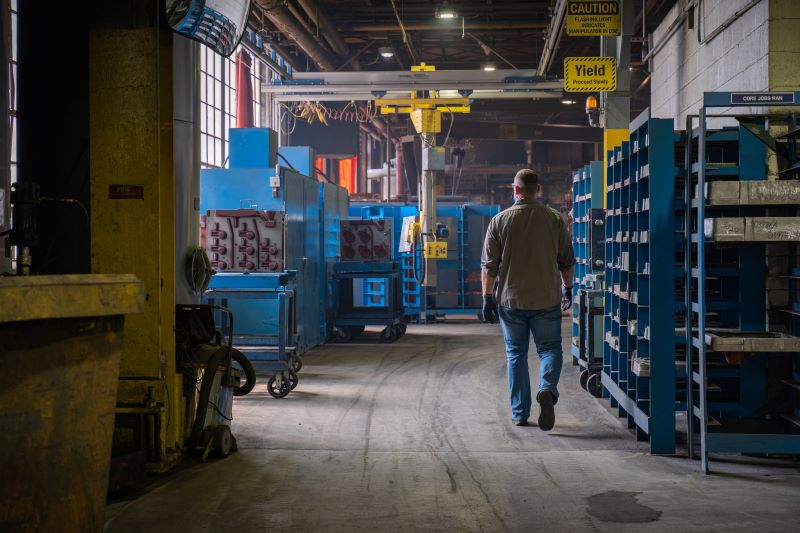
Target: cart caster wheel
{"x": 594, "y": 386}
{"x": 293, "y": 379}
{"x": 275, "y": 390}
{"x": 403, "y": 328}
{"x": 296, "y": 363}
{"x": 223, "y": 442}
{"x": 388, "y": 335}
{"x": 583, "y": 379}
{"x": 342, "y": 334}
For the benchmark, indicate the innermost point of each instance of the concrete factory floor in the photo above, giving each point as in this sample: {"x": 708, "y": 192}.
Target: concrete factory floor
{"x": 416, "y": 436}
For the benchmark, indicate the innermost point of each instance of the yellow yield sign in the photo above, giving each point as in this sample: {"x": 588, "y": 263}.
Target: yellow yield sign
{"x": 590, "y": 74}
{"x": 590, "y": 18}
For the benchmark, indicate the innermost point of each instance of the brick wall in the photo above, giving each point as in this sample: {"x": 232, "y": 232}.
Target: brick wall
{"x": 736, "y": 60}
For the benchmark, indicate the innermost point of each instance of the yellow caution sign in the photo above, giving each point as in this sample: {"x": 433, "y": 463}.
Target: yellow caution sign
{"x": 590, "y": 74}
{"x": 591, "y": 18}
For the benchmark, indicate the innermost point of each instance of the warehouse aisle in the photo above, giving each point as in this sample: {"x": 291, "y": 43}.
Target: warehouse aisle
{"x": 416, "y": 436}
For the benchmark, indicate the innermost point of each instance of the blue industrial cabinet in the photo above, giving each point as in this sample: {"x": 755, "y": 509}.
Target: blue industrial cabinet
{"x": 334, "y": 203}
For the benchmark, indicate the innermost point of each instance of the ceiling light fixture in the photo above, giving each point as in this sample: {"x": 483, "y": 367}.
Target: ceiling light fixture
{"x": 488, "y": 66}
{"x": 446, "y": 12}
{"x": 386, "y": 52}
{"x": 567, "y": 101}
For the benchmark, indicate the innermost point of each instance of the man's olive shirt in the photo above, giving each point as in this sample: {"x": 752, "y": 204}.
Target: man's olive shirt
{"x": 526, "y": 245}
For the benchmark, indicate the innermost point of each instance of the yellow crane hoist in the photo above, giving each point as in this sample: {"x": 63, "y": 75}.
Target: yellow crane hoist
{"x": 425, "y": 111}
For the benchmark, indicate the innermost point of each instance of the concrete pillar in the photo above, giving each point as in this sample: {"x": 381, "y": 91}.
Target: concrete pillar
{"x": 132, "y": 199}
{"x": 186, "y": 113}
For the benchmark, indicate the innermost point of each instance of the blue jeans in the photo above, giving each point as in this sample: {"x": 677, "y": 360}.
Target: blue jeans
{"x": 545, "y": 325}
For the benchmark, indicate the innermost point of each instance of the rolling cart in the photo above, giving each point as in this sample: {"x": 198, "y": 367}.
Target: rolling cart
{"x": 590, "y": 342}
{"x": 266, "y": 331}
{"x": 367, "y": 294}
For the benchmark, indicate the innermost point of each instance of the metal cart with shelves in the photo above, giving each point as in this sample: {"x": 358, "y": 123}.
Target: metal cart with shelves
{"x": 588, "y": 237}
{"x": 358, "y": 306}
{"x": 741, "y": 227}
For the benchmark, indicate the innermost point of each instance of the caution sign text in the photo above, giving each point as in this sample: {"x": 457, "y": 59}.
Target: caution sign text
{"x": 590, "y": 74}
{"x": 589, "y": 18}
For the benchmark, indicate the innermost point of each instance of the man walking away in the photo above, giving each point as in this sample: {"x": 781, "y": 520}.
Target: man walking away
{"x": 528, "y": 253}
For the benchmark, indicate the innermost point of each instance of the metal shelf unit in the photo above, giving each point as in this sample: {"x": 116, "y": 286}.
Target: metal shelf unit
{"x": 588, "y": 238}
{"x": 639, "y": 354}
{"x": 744, "y": 396}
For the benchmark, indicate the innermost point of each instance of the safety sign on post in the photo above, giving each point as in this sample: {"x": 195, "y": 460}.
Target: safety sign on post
{"x": 590, "y": 74}
{"x": 592, "y": 18}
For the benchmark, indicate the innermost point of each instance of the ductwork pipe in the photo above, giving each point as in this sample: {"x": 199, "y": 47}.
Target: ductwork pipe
{"x": 328, "y": 29}
{"x": 294, "y": 31}
{"x": 553, "y": 37}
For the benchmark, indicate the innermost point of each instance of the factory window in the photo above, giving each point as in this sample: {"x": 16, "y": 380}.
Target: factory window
{"x": 13, "y": 95}
{"x": 218, "y": 103}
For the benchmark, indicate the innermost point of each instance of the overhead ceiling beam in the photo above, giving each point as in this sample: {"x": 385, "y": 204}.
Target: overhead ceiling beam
{"x": 294, "y": 31}
{"x": 324, "y": 23}
{"x": 468, "y": 129}
{"x": 553, "y": 37}
{"x": 432, "y": 26}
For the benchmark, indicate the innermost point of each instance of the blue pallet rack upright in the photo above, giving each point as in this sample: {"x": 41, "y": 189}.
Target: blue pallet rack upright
{"x": 587, "y": 228}
{"x": 639, "y": 362}
{"x": 744, "y": 366}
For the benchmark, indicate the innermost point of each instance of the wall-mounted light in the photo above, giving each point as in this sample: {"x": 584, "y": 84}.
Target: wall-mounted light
{"x": 488, "y": 66}
{"x": 593, "y": 110}
{"x": 386, "y": 52}
{"x": 567, "y": 101}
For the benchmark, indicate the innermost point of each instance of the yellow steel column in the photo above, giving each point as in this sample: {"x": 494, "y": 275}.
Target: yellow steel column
{"x": 132, "y": 200}
{"x": 611, "y": 139}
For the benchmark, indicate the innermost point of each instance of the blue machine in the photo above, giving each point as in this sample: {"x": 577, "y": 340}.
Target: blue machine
{"x": 458, "y": 291}
{"x": 265, "y": 179}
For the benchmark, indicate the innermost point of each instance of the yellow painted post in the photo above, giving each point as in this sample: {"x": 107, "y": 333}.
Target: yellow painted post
{"x": 132, "y": 200}
{"x": 611, "y": 139}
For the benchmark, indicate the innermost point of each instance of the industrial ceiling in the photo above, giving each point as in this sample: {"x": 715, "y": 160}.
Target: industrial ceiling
{"x": 333, "y": 35}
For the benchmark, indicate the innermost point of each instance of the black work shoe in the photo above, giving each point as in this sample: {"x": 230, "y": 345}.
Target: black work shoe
{"x": 521, "y": 422}
{"x": 547, "y": 414}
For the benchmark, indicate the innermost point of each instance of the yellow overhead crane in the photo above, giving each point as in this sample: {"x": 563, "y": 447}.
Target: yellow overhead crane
{"x": 418, "y": 93}
{"x": 425, "y": 112}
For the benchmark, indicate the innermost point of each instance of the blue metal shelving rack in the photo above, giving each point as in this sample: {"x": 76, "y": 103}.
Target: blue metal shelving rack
{"x": 588, "y": 218}
{"x": 732, "y": 398}
{"x": 639, "y": 362}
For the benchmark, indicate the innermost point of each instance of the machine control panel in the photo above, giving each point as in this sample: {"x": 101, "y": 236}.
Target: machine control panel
{"x": 366, "y": 240}
{"x": 244, "y": 240}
